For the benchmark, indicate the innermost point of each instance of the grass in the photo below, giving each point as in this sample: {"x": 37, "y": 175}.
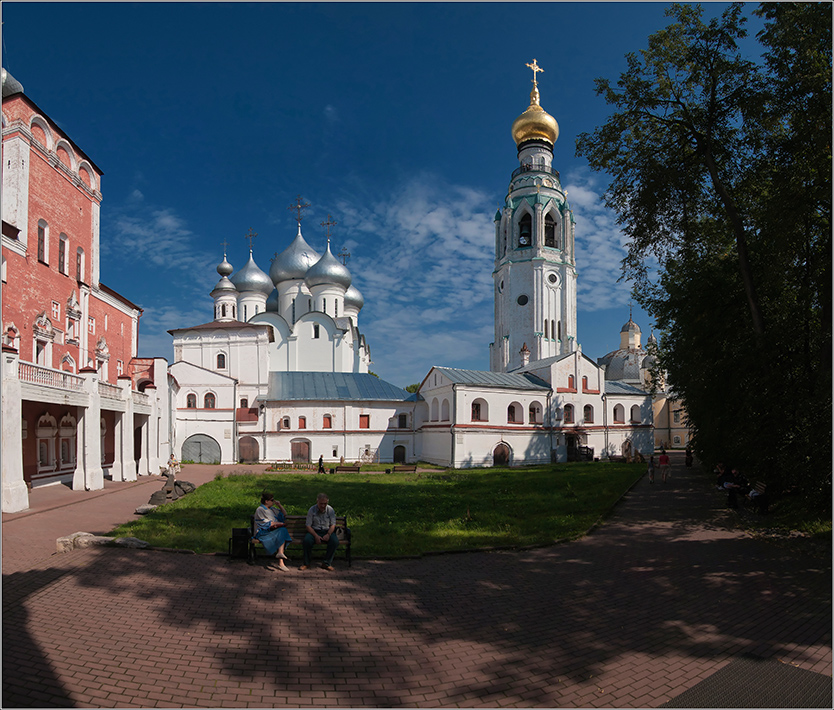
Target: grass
{"x": 394, "y": 515}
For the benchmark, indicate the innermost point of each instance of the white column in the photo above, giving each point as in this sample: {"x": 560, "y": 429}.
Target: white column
{"x": 153, "y": 431}
{"x": 143, "y": 456}
{"x": 15, "y": 492}
{"x": 118, "y": 431}
{"x": 88, "y": 472}
{"x": 128, "y": 464}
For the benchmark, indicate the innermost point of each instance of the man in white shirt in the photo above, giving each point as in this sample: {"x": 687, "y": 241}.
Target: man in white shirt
{"x": 321, "y": 528}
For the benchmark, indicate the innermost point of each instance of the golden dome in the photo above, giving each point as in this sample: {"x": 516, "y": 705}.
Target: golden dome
{"x": 535, "y": 123}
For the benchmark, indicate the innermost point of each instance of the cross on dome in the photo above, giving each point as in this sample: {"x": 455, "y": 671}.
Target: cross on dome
{"x": 327, "y": 225}
{"x": 250, "y": 235}
{"x": 299, "y": 206}
{"x": 225, "y": 245}
{"x": 536, "y": 69}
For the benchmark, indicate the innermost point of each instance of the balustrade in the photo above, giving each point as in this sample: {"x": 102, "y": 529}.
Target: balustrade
{"x": 38, "y": 375}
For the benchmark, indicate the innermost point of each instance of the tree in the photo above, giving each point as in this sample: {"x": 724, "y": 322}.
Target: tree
{"x": 720, "y": 174}
{"x": 413, "y": 388}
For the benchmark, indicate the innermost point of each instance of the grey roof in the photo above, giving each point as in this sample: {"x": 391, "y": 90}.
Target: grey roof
{"x": 623, "y": 364}
{"x": 284, "y": 386}
{"x": 11, "y": 86}
{"x": 510, "y": 380}
{"x": 613, "y": 387}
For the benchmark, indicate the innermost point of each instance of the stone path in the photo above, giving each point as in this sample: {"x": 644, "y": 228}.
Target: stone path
{"x": 661, "y": 596}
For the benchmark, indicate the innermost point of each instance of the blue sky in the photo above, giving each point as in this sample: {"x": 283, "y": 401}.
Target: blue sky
{"x": 209, "y": 118}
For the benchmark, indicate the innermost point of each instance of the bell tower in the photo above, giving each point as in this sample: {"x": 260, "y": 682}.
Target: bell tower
{"x": 535, "y": 264}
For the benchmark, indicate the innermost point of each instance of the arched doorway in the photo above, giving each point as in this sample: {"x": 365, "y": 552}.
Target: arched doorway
{"x": 300, "y": 451}
{"x": 501, "y": 455}
{"x": 248, "y": 450}
{"x": 200, "y": 448}
{"x": 399, "y": 454}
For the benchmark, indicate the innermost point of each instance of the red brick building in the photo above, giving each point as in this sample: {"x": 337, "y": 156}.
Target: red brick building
{"x": 59, "y": 321}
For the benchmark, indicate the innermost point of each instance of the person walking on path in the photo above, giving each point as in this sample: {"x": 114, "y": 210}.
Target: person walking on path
{"x": 663, "y": 460}
{"x": 321, "y": 464}
{"x": 651, "y": 469}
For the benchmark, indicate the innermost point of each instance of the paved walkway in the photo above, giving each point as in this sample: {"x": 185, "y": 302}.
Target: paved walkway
{"x": 661, "y": 596}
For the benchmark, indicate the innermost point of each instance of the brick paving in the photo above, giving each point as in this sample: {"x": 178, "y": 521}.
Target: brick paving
{"x": 663, "y": 594}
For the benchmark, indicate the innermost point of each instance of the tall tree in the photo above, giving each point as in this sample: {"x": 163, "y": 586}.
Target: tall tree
{"x": 720, "y": 174}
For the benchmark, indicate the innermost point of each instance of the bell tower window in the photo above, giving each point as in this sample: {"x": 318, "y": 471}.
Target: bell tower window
{"x": 525, "y": 231}
{"x": 549, "y": 232}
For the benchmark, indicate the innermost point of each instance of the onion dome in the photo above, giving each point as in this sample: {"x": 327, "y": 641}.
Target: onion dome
{"x": 224, "y": 268}
{"x": 649, "y": 362}
{"x": 294, "y": 261}
{"x": 497, "y": 217}
{"x": 251, "y": 278}
{"x": 11, "y": 85}
{"x": 328, "y": 270}
{"x": 535, "y": 124}
{"x": 272, "y": 305}
{"x": 353, "y": 298}
{"x": 652, "y": 340}
{"x": 630, "y": 327}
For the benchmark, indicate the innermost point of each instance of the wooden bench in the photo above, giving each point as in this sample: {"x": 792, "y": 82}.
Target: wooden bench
{"x": 759, "y": 501}
{"x": 405, "y": 468}
{"x": 347, "y": 469}
{"x": 297, "y": 527}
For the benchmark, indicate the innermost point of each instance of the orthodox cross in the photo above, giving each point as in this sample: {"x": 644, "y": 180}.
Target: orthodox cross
{"x": 344, "y": 255}
{"x": 224, "y": 244}
{"x": 536, "y": 69}
{"x": 327, "y": 225}
{"x": 299, "y": 206}
{"x": 250, "y": 235}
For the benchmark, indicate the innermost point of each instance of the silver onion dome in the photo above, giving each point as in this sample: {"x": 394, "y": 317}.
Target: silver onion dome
{"x": 353, "y": 298}
{"x": 648, "y": 362}
{"x": 328, "y": 270}
{"x": 11, "y": 85}
{"x": 630, "y": 327}
{"x": 252, "y": 278}
{"x": 294, "y": 261}
{"x": 224, "y": 268}
{"x": 272, "y": 303}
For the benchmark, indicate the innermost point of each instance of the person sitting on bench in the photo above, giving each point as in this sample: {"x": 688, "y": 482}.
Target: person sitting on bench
{"x": 270, "y": 528}
{"x": 321, "y": 527}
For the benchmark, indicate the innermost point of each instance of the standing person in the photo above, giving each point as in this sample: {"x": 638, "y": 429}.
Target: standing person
{"x": 321, "y": 527}
{"x": 664, "y": 462}
{"x": 321, "y": 463}
{"x": 688, "y": 456}
{"x": 651, "y": 469}
{"x": 270, "y": 528}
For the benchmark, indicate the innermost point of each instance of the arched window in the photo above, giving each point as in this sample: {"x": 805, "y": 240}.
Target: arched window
{"x": 525, "y": 231}
{"x": 535, "y": 413}
{"x": 619, "y": 413}
{"x": 559, "y": 330}
{"x": 223, "y": 310}
{"x": 480, "y": 411}
{"x": 209, "y": 401}
{"x": 444, "y": 411}
{"x": 588, "y": 414}
{"x": 302, "y": 422}
{"x": 63, "y": 243}
{"x": 545, "y": 330}
{"x": 43, "y": 242}
{"x": 434, "y": 410}
{"x": 315, "y": 330}
{"x": 584, "y": 382}
{"x": 79, "y": 265}
{"x": 191, "y": 401}
{"x": 285, "y": 423}
{"x": 549, "y": 232}
{"x": 635, "y": 413}
{"x": 515, "y": 414}
{"x": 571, "y": 382}
{"x": 221, "y": 361}
{"x": 244, "y": 403}
{"x": 327, "y": 422}
{"x": 568, "y": 414}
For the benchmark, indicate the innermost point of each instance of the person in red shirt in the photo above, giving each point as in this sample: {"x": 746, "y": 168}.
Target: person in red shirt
{"x": 664, "y": 465}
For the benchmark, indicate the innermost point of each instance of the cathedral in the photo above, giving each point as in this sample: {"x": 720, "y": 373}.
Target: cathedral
{"x": 281, "y": 372}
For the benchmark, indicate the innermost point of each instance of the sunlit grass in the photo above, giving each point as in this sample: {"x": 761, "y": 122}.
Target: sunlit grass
{"x": 405, "y": 514}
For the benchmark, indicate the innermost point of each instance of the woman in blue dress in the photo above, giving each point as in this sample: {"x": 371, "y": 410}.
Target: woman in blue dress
{"x": 270, "y": 528}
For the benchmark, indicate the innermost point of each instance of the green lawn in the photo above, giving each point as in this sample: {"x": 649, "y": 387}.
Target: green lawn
{"x": 393, "y": 515}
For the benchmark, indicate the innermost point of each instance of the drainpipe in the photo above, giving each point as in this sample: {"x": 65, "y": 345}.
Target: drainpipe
{"x": 454, "y": 419}
{"x": 234, "y": 423}
{"x": 550, "y": 424}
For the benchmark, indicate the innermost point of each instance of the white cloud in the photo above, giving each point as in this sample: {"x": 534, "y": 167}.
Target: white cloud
{"x": 600, "y": 245}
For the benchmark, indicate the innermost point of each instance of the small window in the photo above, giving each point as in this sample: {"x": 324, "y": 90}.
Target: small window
{"x": 209, "y": 401}
{"x": 584, "y": 382}
{"x": 302, "y": 422}
{"x": 535, "y": 414}
{"x": 324, "y": 305}
{"x": 511, "y": 414}
{"x": 619, "y": 413}
{"x": 545, "y": 330}
{"x": 120, "y": 368}
{"x": 635, "y": 414}
{"x": 364, "y": 421}
{"x": 549, "y": 232}
{"x": 221, "y": 361}
{"x": 223, "y": 310}
{"x": 588, "y": 414}
{"x": 571, "y": 382}
{"x": 79, "y": 265}
{"x": 56, "y": 310}
{"x": 525, "y": 231}
{"x": 106, "y": 321}
{"x": 559, "y": 330}
{"x": 677, "y": 417}
{"x": 91, "y": 325}
{"x": 62, "y": 254}
{"x": 285, "y": 423}
{"x": 402, "y": 421}
{"x": 327, "y": 422}
{"x": 191, "y": 401}
{"x": 476, "y": 411}
{"x": 244, "y": 403}
{"x": 568, "y": 414}
{"x": 676, "y": 440}
{"x": 42, "y": 241}
{"x": 315, "y": 330}
{"x": 244, "y": 313}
